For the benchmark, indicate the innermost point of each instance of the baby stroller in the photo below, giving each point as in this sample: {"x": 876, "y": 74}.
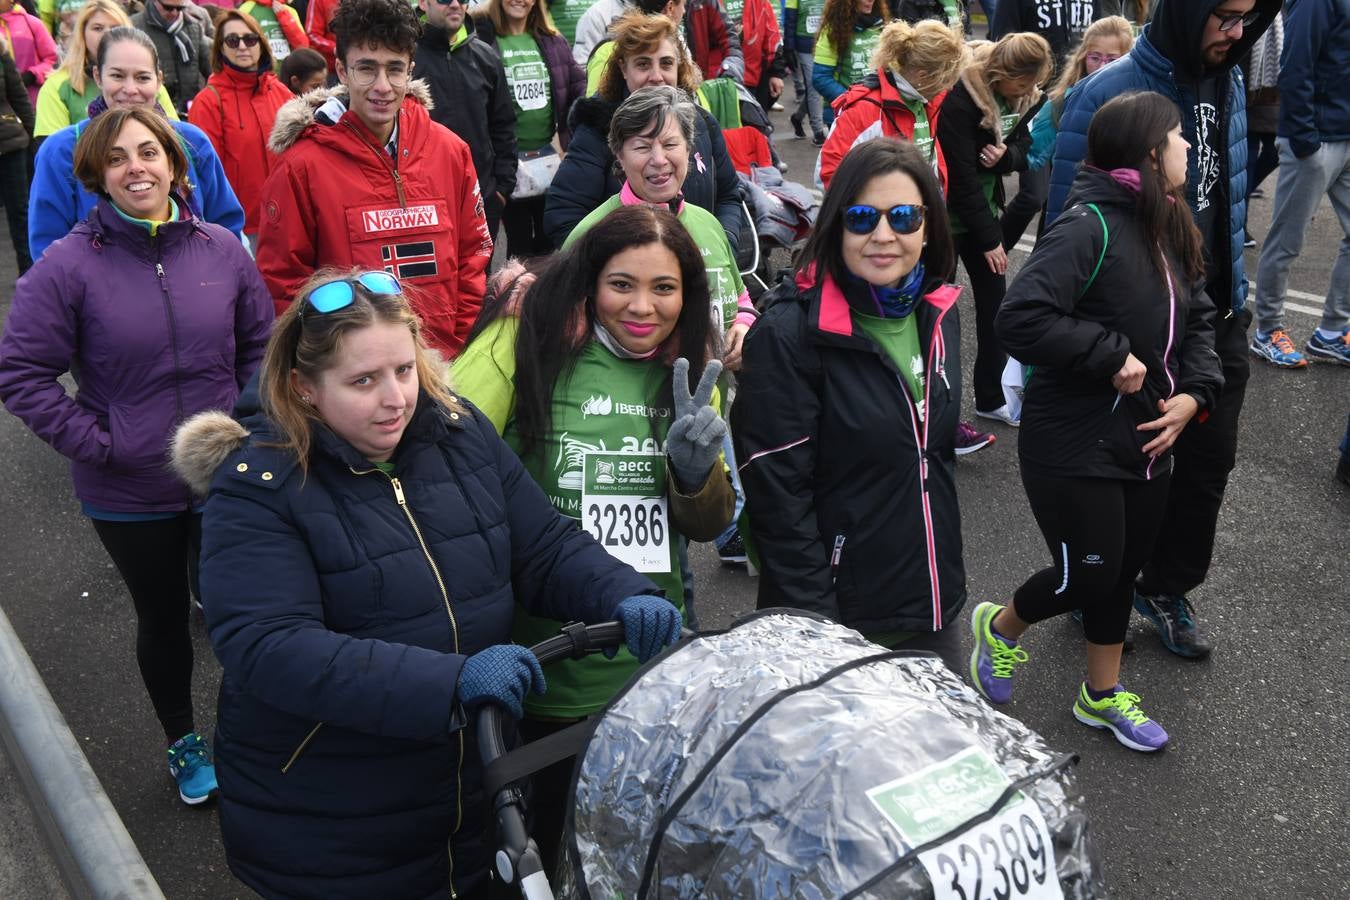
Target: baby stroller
{"x": 790, "y": 757}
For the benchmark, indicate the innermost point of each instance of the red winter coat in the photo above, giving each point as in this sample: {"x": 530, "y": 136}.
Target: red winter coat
{"x": 237, "y": 110}
{"x": 760, "y": 39}
{"x": 321, "y": 37}
{"x": 335, "y": 198}
{"x": 873, "y": 108}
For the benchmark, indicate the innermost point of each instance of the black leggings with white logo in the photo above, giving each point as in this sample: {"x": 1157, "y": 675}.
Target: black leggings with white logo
{"x": 1100, "y": 531}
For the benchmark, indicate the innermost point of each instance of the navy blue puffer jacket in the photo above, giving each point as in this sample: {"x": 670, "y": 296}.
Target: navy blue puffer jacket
{"x": 342, "y": 605}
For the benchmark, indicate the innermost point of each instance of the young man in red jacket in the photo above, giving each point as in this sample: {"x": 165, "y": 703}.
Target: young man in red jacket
{"x": 367, "y": 179}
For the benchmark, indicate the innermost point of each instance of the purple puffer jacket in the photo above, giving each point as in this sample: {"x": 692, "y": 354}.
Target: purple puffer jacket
{"x": 159, "y": 328}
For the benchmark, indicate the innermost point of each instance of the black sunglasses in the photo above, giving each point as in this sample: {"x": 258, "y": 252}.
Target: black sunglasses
{"x": 906, "y": 218}
{"x": 1227, "y": 22}
{"x": 234, "y": 40}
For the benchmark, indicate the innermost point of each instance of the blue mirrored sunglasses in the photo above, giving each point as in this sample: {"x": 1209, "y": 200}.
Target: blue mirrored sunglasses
{"x": 906, "y": 218}
{"x": 334, "y": 295}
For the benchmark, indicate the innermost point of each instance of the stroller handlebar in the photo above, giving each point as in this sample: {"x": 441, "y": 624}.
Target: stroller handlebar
{"x": 517, "y": 858}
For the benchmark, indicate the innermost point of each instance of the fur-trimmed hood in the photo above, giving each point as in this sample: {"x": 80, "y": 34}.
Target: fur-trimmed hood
{"x": 973, "y": 77}
{"x": 298, "y": 114}
{"x": 201, "y": 444}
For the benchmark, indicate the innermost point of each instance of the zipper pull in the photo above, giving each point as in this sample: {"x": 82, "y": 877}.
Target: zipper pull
{"x": 398, "y": 491}
{"x": 159, "y": 270}
{"x": 838, "y": 552}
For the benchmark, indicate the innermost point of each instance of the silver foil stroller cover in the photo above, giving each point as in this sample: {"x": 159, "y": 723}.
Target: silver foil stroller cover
{"x": 783, "y": 758}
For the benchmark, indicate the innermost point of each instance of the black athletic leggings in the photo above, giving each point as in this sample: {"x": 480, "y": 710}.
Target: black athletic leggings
{"x": 987, "y": 289}
{"x": 158, "y": 561}
{"x": 1100, "y": 532}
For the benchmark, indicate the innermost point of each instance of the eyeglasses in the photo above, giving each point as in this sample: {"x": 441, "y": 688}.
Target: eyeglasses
{"x": 334, "y": 295}
{"x": 171, "y": 7}
{"x": 451, "y": 2}
{"x": 1229, "y": 21}
{"x": 906, "y": 218}
{"x": 364, "y": 74}
{"x": 1101, "y": 59}
{"x": 234, "y": 40}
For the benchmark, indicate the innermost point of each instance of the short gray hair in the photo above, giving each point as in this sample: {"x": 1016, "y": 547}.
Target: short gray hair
{"x": 645, "y": 113}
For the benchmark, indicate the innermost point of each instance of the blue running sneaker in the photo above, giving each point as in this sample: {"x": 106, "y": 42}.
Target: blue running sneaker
{"x": 993, "y": 659}
{"x": 191, "y": 767}
{"x": 1174, "y": 617}
{"x": 1335, "y": 350}
{"x": 1277, "y": 349}
{"x": 1119, "y": 713}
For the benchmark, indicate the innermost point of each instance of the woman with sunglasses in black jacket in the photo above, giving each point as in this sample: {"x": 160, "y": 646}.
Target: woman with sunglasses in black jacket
{"x": 846, "y": 419}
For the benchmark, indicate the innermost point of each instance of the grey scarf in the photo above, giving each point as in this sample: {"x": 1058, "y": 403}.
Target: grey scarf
{"x": 173, "y": 29}
{"x": 1264, "y": 68}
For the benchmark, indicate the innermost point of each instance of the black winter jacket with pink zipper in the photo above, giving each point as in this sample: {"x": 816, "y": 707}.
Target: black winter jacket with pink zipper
{"x": 851, "y": 493}
{"x": 1076, "y": 330}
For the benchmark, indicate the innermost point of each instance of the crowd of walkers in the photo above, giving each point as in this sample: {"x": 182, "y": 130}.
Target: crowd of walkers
{"x": 384, "y": 453}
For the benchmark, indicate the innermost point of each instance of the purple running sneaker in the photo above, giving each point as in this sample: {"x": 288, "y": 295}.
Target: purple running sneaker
{"x": 1120, "y": 714}
{"x": 993, "y": 659}
{"x": 969, "y": 438}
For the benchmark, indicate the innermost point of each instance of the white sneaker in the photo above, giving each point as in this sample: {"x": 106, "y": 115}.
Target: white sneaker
{"x": 1001, "y": 415}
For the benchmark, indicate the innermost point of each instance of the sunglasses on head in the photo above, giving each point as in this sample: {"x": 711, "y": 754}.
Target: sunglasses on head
{"x": 334, "y": 295}
{"x": 906, "y": 218}
{"x": 234, "y": 40}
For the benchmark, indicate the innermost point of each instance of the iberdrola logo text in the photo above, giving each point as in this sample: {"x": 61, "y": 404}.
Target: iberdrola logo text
{"x": 597, "y": 406}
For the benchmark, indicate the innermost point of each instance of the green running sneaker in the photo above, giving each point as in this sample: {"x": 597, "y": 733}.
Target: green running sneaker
{"x": 1120, "y": 714}
{"x": 993, "y": 659}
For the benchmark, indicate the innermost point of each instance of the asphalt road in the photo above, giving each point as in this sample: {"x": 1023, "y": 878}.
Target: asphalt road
{"x": 1249, "y": 800}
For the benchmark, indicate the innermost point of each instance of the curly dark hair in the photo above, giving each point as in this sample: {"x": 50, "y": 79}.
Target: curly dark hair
{"x": 839, "y": 19}
{"x": 385, "y": 23}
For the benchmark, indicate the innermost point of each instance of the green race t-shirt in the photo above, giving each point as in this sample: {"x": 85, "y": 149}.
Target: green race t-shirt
{"x": 531, "y": 93}
{"x": 899, "y": 339}
{"x": 923, "y": 135}
{"x": 855, "y": 65}
{"x": 567, "y": 15}
{"x": 1008, "y": 120}
{"x": 266, "y": 18}
{"x": 809, "y": 14}
{"x": 724, "y": 278}
{"x": 605, "y": 468}
{"x": 1008, "y": 117}
{"x": 735, "y": 10}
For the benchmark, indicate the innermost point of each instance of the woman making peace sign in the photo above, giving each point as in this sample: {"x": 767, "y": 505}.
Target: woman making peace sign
{"x": 593, "y": 395}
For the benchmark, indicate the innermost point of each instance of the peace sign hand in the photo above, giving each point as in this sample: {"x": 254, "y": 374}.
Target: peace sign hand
{"x": 695, "y": 437}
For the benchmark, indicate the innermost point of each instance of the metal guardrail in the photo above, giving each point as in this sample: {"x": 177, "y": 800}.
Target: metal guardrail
{"x": 93, "y": 851}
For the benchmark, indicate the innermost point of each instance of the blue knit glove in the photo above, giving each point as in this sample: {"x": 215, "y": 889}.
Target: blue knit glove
{"x": 695, "y": 437}
{"x": 500, "y": 674}
{"x": 650, "y": 624}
